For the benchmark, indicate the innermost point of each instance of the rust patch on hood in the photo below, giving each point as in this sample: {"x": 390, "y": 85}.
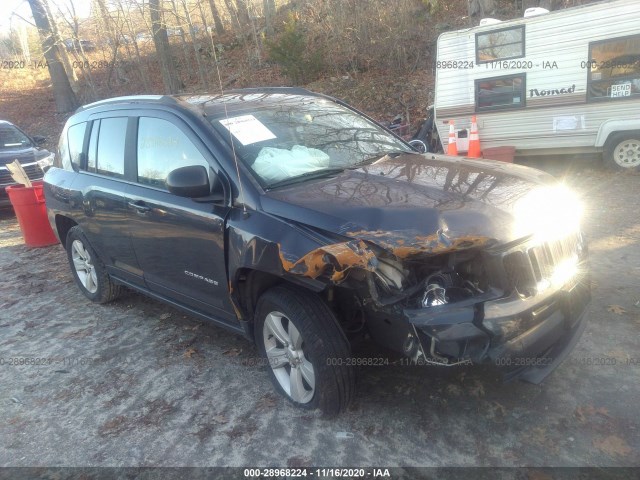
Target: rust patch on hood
{"x": 403, "y": 245}
{"x": 341, "y": 257}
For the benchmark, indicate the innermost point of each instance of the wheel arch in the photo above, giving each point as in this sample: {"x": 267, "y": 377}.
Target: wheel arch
{"x": 63, "y": 225}
{"x": 249, "y": 284}
{"x": 610, "y": 128}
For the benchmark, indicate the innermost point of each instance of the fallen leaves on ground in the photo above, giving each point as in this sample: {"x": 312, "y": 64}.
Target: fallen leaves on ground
{"x": 266, "y": 402}
{"x": 581, "y": 413}
{"x": 538, "y": 475}
{"x": 612, "y": 446}
{"x": 617, "y": 309}
{"x": 220, "y": 419}
{"x": 477, "y": 390}
{"x": 232, "y": 352}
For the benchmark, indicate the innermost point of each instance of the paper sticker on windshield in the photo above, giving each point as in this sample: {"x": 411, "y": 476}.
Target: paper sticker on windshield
{"x": 247, "y": 129}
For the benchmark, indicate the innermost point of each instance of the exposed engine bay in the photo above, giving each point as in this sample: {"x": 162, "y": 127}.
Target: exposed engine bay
{"x": 446, "y": 297}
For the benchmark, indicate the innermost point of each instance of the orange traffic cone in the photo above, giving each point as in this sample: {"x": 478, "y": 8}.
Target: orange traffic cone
{"x": 474, "y": 140}
{"x": 452, "y": 146}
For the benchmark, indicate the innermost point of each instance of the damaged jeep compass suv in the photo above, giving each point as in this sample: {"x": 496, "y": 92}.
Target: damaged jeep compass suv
{"x": 295, "y": 220}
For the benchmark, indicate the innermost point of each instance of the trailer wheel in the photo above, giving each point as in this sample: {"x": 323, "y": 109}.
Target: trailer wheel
{"x": 622, "y": 151}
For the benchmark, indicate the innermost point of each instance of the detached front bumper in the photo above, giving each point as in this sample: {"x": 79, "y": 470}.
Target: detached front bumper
{"x": 527, "y": 340}
{"x": 525, "y": 335}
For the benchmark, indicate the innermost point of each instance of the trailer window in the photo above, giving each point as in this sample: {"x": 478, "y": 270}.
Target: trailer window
{"x": 501, "y": 44}
{"x": 614, "y": 68}
{"x": 500, "y": 92}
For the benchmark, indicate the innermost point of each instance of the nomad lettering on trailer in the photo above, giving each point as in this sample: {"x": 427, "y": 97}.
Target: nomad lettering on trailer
{"x": 200, "y": 277}
{"x": 543, "y": 93}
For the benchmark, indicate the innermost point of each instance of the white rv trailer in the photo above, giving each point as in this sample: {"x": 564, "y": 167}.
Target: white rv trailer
{"x": 564, "y": 82}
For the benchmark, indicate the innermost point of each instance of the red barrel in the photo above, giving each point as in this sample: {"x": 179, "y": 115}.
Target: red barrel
{"x": 28, "y": 203}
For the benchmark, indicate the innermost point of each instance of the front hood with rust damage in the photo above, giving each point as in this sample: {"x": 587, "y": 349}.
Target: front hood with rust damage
{"x": 413, "y": 204}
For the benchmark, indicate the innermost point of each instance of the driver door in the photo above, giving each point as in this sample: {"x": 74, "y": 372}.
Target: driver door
{"x": 179, "y": 243}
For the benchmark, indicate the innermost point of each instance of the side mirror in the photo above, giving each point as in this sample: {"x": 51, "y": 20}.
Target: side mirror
{"x": 191, "y": 181}
{"x": 39, "y": 139}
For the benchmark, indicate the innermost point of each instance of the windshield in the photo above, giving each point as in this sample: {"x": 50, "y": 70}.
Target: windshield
{"x": 289, "y": 140}
{"x": 12, "y": 139}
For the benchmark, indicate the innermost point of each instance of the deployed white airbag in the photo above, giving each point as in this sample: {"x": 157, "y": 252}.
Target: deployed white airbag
{"x": 275, "y": 164}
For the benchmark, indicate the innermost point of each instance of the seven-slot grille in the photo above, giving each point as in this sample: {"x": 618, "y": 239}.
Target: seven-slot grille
{"x": 33, "y": 171}
{"x": 531, "y": 264}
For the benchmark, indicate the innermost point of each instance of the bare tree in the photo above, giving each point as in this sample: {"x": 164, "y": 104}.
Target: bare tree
{"x": 269, "y": 7}
{"x": 161, "y": 42}
{"x": 132, "y": 39}
{"x": 243, "y": 12}
{"x": 64, "y": 97}
{"x": 179, "y": 22}
{"x": 217, "y": 20}
{"x": 481, "y": 8}
{"x": 233, "y": 13}
{"x": 194, "y": 41}
{"x": 112, "y": 37}
{"x": 68, "y": 67}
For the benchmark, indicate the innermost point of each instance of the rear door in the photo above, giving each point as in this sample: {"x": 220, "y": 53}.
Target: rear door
{"x": 102, "y": 182}
{"x": 179, "y": 243}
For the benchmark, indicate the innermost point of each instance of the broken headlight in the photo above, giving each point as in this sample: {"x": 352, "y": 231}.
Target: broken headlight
{"x": 447, "y": 287}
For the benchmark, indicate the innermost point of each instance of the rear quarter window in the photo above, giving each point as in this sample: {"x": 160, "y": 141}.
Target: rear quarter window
{"x": 75, "y": 136}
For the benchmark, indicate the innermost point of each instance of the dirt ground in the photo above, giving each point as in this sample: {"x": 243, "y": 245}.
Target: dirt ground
{"x": 137, "y": 383}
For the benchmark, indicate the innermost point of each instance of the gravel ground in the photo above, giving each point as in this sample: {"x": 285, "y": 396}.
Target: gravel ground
{"x": 137, "y": 383}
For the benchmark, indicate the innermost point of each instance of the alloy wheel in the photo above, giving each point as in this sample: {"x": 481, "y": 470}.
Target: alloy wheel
{"x": 285, "y": 351}
{"x": 84, "y": 267}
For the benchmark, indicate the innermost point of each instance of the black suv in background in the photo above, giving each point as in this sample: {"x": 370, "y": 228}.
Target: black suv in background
{"x": 17, "y": 145}
{"x": 291, "y": 218}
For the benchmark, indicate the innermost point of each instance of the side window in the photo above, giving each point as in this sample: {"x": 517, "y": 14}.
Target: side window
{"x": 163, "y": 147}
{"x": 75, "y": 136}
{"x": 502, "y": 44}
{"x": 93, "y": 147}
{"x": 111, "y": 144}
{"x": 614, "y": 69}
{"x": 499, "y": 93}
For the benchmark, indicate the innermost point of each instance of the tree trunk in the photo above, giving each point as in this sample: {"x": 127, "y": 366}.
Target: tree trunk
{"x": 217, "y": 20}
{"x": 64, "y": 96}
{"x": 68, "y": 67}
{"x": 481, "y": 8}
{"x": 194, "y": 41}
{"x": 139, "y": 63}
{"x": 233, "y": 13}
{"x": 161, "y": 42}
{"x": 269, "y": 7}
{"x": 243, "y": 12}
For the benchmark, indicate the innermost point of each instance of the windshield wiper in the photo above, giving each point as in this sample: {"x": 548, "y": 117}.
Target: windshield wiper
{"x": 327, "y": 172}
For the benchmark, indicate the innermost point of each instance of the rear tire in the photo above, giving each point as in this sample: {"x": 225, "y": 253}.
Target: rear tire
{"x": 622, "y": 151}
{"x": 305, "y": 350}
{"x": 88, "y": 270}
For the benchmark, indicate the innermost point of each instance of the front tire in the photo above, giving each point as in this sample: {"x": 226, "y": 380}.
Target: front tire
{"x": 305, "y": 349}
{"x": 622, "y": 151}
{"x": 88, "y": 271}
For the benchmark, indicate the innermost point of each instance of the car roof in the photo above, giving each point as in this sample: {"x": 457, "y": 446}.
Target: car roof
{"x": 212, "y": 103}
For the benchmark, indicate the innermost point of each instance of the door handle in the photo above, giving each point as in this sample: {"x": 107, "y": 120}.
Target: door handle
{"x": 140, "y": 207}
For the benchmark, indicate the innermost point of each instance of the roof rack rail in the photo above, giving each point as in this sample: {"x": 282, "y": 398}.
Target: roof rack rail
{"x": 294, "y": 90}
{"x": 166, "y": 99}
